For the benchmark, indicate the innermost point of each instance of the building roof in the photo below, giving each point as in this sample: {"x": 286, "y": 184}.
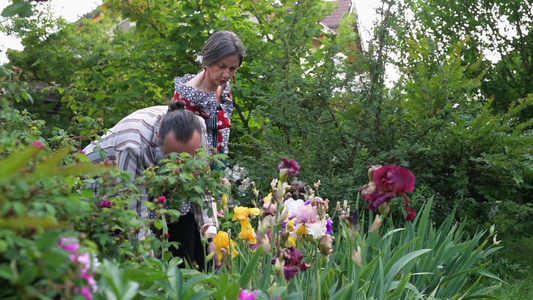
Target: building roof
{"x": 332, "y": 21}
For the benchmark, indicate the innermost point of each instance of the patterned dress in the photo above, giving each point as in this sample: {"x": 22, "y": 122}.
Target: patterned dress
{"x": 216, "y": 115}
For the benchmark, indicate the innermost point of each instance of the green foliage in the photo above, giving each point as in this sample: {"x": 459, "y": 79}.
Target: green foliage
{"x": 182, "y": 176}
{"x": 38, "y": 207}
{"x": 461, "y": 124}
{"x": 19, "y": 7}
{"x": 519, "y": 289}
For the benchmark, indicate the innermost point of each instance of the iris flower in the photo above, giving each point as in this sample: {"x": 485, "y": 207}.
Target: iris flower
{"x": 317, "y": 229}
{"x": 289, "y": 166}
{"x": 222, "y": 241}
{"x": 292, "y": 260}
{"x": 393, "y": 178}
{"x": 241, "y": 214}
{"x": 387, "y": 182}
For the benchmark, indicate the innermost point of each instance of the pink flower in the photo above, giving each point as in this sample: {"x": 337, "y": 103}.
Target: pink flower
{"x": 69, "y": 244}
{"x": 86, "y": 291}
{"x": 86, "y": 263}
{"x": 393, "y": 178}
{"x": 81, "y": 151}
{"x": 248, "y": 295}
{"x": 166, "y": 235}
{"x": 307, "y": 214}
{"x": 100, "y": 120}
{"x": 106, "y": 204}
{"x": 17, "y": 69}
{"x": 162, "y": 199}
{"x": 38, "y": 144}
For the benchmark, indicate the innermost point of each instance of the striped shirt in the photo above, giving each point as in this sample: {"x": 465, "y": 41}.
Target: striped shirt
{"x": 134, "y": 145}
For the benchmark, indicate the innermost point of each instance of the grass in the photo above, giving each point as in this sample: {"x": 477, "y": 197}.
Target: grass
{"x": 517, "y": 289}
{"x": 518, "y": 262}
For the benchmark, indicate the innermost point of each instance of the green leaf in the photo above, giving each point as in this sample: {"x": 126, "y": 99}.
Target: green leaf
{"x": 175, "y": 279}
{"x": 158, "y": 224}
{"x": 15, "y": 162}
{"x": 130, "y": 290}
{"x": 28, "y": 274}
{"x": 402, "y": 262}
{"x": 344, "y": 293}
{"x": 398, "y": 287}
{"x": 250, "y": 269}
{"x": 6, "y": 272}
{"x": 23, "y": 9}
{"x": 200, "y": 295}
{"x": 48, "y": 240}
{"x": 294, "y": 296}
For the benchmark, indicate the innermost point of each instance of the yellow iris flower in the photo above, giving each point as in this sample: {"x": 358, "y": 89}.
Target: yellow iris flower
{"x": 242, "y": 213}
{"x": 247, "y": 232}
{"x": 222, "y": 241}
{"x": 301, "y": 230}
{"x": 268, "y": 198}
{"x": 290, "y": 224}
{"x": 291, "y": 241}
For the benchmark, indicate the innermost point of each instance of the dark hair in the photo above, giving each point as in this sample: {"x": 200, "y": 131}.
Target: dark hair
{"x": 181, "y": 122}
{"x": 222, "y": 44}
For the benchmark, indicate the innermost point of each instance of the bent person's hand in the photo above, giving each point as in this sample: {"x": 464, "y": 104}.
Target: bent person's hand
{"x": 213, "y": 249}
{"x": 224, "y": 181}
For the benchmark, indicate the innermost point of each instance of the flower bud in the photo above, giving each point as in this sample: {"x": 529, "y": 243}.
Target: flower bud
{"x": 38, "y": 144}
{"x": 384, "y": 209}
{"x": 326, "y": 244}
{"x": 378, "y": 221}
{"x": 411, "y": 214}
{"x": 338, "y": 208}
{"x": 495, "y": 241}
{"x": 371, "y": 172}
{"x": 357, "y": 256}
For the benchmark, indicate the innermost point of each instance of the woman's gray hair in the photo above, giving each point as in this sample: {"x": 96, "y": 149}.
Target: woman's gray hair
{"x": 222, "y": 44}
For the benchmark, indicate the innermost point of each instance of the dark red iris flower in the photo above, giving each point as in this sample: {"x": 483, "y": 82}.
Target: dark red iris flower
{"x": 376, "y": 198}
{"x": 389, "y": 181}
{"x": 290, "y": 164}
{"x": 395, "y": 179}
{"x": 293, "y": 262}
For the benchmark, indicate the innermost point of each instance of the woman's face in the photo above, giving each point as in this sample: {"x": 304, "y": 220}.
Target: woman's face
{"x": 223, "y": 70}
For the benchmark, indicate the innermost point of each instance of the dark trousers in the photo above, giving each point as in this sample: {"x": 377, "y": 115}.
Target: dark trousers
{"x": 185, "y": 232}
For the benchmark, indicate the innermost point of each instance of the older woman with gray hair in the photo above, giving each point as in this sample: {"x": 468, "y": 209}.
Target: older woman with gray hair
{"x": 208, "y": 93}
